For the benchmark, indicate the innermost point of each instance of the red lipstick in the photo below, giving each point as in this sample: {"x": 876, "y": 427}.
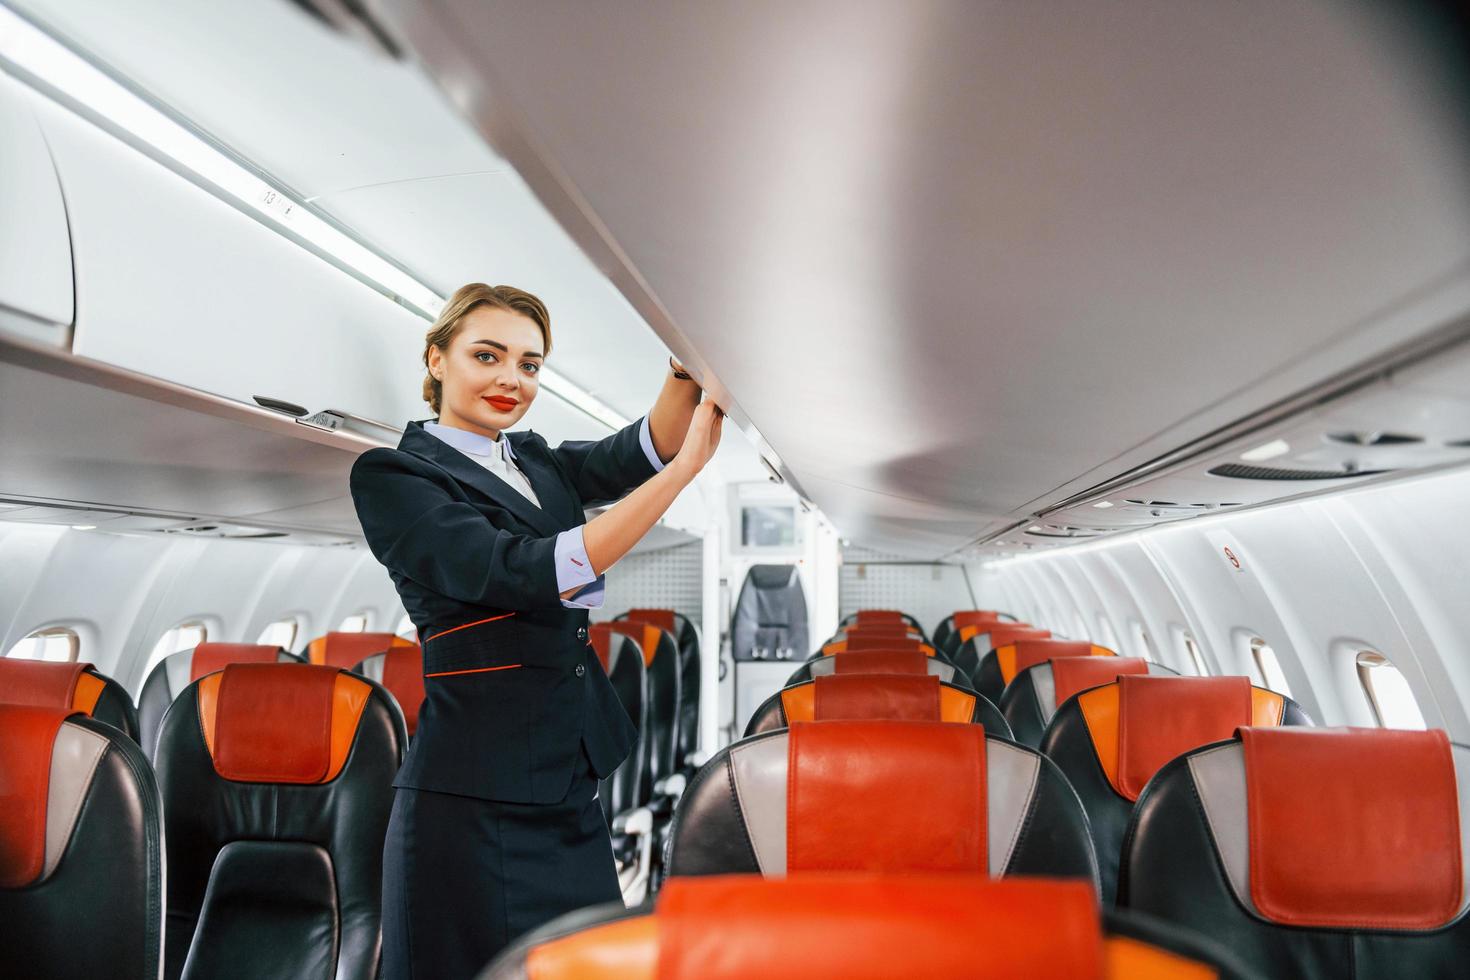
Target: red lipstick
{"x": 503, "y": 404}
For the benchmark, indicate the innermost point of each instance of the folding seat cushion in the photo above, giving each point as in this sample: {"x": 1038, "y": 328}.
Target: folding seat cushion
{"x": 661, "y": 663}
{"x": 177, "y": 671}
{"x": 629, "y": 784}
{"x": 1016, "y": 651}
{"x": 878, "y": 662}
{"x": 1313, "y": 853}
{"x": 345, "y": 650}
{"x": 862, "y": 927}
{"x": 1110, "y": 740}
{"x": 971, "y": 651}
{"x": 690, "y": 670}
{"x": 400, "y": 670}
{"x": 276, "y": 782}
{"x": 75, "y": 686}
{"x": 882, "y": 796}
{"x": 1031, "y": 699}
{"x": 81, "y": 862}
{"x": 895, "y": 697}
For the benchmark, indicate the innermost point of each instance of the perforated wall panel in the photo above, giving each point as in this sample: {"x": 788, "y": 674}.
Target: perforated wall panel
{"x": 670, "y": 578}
{"x": 875, "y": 580}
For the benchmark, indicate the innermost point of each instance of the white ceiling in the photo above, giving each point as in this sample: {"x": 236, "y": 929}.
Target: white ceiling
{"x": 958, "y": 259}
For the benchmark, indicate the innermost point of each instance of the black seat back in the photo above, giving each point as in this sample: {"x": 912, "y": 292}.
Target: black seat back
{"x": 897, "y": 697}
{"x": 661, "y": 663}
{"x": 630, "y": 784}
{"x": 690, "y": 669}
{"x": 173, "y": 673}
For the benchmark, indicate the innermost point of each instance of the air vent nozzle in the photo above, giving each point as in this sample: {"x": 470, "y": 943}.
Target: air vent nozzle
{"x": 1240, "y": 471}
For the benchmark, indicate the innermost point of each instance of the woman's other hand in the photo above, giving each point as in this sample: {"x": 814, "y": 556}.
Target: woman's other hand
{"x": 702, "y": 439}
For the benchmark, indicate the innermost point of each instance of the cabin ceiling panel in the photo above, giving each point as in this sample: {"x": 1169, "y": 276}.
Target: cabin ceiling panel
{"x": 976, "y": 252}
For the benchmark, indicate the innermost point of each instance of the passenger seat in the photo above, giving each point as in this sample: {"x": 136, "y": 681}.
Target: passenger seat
{"x": 276, "y": 782}
{"x": 81, "y": 862}
{"x": 400, "y": 670}
{"x": 892, "y": 697}
{"x": 1110, "y": 740}
{"x": 346, "y": 650}
{"x": 859, "y": 927}
{"x": 690, "y": 672}
{"x": 1012, "y": 651}
{"x": 73, "y": 686}
{"x": 1031, "y": 699}
{"x": 878, "y": 662}
{"x": 178, "y": 670}
{"x": 880, "y": 796}
{"x": 1313, "y": 853}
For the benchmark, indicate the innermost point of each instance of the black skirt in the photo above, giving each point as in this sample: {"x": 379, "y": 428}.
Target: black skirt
{"x": 463, "y": 877}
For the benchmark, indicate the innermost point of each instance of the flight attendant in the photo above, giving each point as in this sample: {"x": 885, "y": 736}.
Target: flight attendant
{"x": 495, "y": 827}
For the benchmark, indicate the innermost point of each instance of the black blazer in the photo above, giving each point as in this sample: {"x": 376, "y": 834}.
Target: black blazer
{"x": 512, "y": 688}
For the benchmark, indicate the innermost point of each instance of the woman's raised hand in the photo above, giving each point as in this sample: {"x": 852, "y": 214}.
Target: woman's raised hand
{"x": 702, "y": 439}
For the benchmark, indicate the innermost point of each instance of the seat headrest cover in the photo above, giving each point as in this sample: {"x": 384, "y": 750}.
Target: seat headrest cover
{"x": 881, "y": 662}
{"x": 1021, "y": 654}
{"x": 646, "y": 635}
{"x": 210, "y": 657}
{"x": 280, "y": 723}
{"x": 798, "y": 702}
{"x": 1007, "y": 633}
{"x": 855, "y": 789}
{"x": 25, "y": 781}
{"x": 600, "y": 636}
{"x": 662, "y": 618}
{"x": 1073, "y": 674}
{"x": 41, "y": 684}
{"x": 1353, "y": 828}
{"x": 860, "y": 643}
{"x": 1160, "y": 718}
{"x": 733, "y": 927}
{"x": 975, "y": 617}
{"x": 893, "y": 697}
{"x": 866, "y": 616}
{"x": 349, "y": 649}
{"x": 403, "y": 676}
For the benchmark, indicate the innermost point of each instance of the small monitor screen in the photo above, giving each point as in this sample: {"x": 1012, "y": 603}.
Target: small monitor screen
{"x": 767, "y": 527}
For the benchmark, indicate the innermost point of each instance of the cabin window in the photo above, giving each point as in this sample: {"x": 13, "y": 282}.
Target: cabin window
{"x": 56, "y": 644}
{"x": 1142, "y": 644}
{"x": 185, "y": 636}
{"x": 1268, "y": 668}
{"x": 281, "y": 633}
{"x": 406, "y": 629}
{"x": 1195, "y": 657}
{"x": 358, "y": 622}
{"x": 1388, "y": 692}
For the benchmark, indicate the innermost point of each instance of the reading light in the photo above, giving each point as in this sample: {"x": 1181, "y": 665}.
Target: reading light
{"x": 1270, "y": 450}
{"x": 1103, "y": 504}
{"x": 68, "y": 76}
{"x": 84, "y": 527}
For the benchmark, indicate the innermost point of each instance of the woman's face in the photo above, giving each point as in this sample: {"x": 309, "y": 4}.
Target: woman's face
{"x": 489, "y": 371}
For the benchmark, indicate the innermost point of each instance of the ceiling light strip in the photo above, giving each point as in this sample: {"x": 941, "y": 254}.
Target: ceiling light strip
{"x": 37, "y": 56}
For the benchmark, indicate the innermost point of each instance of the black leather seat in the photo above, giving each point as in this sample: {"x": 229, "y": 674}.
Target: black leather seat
{"x": 630, "y": 785}
{"x": 661, "y": 661}
{"x": 1030, "y": 700}
{"x": 878, "y": 661}
{"x": 769, "y": 621}
{"x": 995, "y": 656}
{"x": 881, "y": 796}
{"x": 74, "y": 686}
{"x": 1111, "y": 739}
{"x": 843, "y": 926}
{"x": 958, "y": 627}
{"x": 880, "y": 617}
{"x": 690, "y": 672}
{"x": 858, "y": 640}
{"x": 400, "y": 670}
{"x": 1312, "y": 853}
{"x": 177, "y": 671}
{"x": 894, "y": 697}
{"x": 276, "y": 782}
{"x": 81, "y": 862}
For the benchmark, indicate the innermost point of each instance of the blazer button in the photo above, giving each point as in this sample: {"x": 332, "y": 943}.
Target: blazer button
{"x": 580, "y": 670}
{"x": 582, "y": 633}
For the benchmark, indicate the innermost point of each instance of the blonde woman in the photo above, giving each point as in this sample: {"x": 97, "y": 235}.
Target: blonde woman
{"x": 495, "y": 826}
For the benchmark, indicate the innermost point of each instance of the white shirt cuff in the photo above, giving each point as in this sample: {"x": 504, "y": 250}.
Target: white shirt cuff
{"x": 645, "y": 439}
{"x": 574, "y": 571}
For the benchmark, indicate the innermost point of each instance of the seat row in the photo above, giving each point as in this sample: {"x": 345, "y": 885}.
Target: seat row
{"x": 1205, "y": 802}
{"x": 264, "y": 790}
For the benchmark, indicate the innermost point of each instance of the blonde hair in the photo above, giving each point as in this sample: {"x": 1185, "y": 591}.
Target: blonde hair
{"x": 465, "y": 299}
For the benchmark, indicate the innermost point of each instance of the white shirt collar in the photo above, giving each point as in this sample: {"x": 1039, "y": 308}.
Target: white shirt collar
{"x": 471, "y": 442}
